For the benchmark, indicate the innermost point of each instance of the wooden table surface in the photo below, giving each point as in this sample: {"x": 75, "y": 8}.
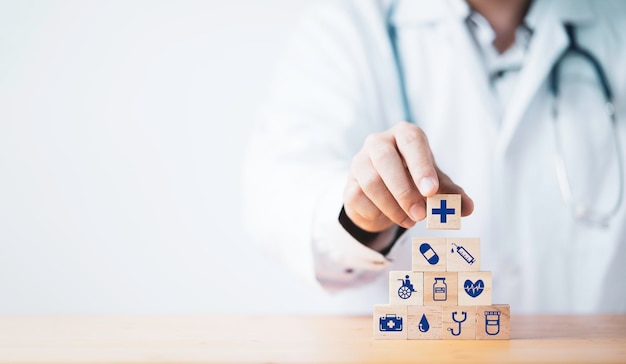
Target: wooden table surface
{"x": 234, "y": 338}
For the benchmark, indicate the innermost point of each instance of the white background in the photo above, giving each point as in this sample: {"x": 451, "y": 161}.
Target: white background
{"x": 122, "y": 129}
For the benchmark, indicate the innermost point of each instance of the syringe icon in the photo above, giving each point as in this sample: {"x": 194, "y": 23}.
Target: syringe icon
{"x": 464, "y": 253}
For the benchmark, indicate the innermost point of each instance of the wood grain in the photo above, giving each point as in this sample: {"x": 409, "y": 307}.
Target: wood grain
{"x": 456, "y": 263}
{"x": 433, "y": 318}
{"x": 499, "y": 325}
{"x": 399, "y": 313}
{"x": 396, "y": 281}
{"x": 484, "y": 298}
{"x": 435, "y": 248}
{"x": 433, "y": 219}
{"x": 451, "y": 284}
{"x": 296, "y": 339}
{"x": 466, "y": 330}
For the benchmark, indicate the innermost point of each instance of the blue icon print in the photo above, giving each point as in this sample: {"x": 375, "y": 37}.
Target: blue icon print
{"x": 464, "y": 254}
{"x": 429, "y": 254}
{"x": 424, "y": 326}
{"x": 459, "y": 322}
{"x": 440, "y": 289}
{"x": 406, "y": 289}
{"x": 492, "y": 322}
{"x": 474, "y": 289}
{"x": 443, "y": 211}
{"x": 390, "y": 323}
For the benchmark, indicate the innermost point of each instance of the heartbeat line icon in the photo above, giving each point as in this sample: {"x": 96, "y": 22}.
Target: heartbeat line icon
{"x": 474, "y": 289}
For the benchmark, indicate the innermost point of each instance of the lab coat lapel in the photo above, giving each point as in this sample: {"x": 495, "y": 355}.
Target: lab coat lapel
{"x": 484, "y": 101}
{"x": 548, "y": 43}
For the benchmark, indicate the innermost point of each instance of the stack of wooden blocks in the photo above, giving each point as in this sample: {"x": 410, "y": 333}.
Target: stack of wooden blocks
{"x": 445, "y": 295}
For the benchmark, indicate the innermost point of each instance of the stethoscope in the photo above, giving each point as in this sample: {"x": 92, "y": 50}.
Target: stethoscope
{"x": 581, "y": 212}
{"x": 459, "y": 322}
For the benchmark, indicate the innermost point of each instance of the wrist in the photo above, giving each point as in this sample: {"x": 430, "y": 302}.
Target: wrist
{"x": 381, "y": 242}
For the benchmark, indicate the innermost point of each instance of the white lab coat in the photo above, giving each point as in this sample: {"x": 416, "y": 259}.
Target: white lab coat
{"x": 338, "y": 83}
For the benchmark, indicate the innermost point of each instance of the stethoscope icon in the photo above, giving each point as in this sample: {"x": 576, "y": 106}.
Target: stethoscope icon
{"x": 459, "y": 322}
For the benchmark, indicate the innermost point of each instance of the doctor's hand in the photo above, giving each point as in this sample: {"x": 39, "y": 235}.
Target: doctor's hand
{"x": 390, "y": 178}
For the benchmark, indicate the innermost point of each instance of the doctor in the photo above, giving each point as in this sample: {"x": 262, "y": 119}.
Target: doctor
{"x": 376, "y": 99}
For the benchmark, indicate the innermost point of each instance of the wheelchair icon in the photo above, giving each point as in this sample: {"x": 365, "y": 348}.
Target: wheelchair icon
{"x": 406, "y": 289}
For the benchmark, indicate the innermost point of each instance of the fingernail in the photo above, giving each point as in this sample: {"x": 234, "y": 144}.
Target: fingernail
{"x": 416, "y": 212}
{"x": 427, "y": 185}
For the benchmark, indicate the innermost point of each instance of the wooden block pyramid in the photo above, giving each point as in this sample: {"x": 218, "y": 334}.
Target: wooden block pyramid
{"x": 445, "y": 295}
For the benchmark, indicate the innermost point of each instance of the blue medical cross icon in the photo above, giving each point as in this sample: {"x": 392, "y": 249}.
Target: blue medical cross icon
{"x": 443, "y": 211}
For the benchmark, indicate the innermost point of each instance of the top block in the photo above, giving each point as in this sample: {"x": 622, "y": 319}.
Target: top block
{"x": 443, "y": 212}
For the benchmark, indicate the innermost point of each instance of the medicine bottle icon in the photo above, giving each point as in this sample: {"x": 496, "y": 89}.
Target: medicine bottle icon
{"x": 440, "y": 289}
{"x": 492, "y": 322}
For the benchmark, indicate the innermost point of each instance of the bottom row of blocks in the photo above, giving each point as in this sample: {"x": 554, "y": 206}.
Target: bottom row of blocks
{"x": 442, "y": 322}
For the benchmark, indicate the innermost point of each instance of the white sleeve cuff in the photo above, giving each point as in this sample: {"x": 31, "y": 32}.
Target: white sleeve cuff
{"x": 340, "y": 259}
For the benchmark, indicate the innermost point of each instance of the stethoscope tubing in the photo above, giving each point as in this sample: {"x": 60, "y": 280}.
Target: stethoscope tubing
{"x": 581, "y": 213}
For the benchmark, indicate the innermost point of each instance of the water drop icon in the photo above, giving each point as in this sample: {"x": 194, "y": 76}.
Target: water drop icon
{"x": 424, "y": 326}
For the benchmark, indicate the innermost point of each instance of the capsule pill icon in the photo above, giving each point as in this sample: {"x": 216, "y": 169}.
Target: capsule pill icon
{"x": 429, "y": 254}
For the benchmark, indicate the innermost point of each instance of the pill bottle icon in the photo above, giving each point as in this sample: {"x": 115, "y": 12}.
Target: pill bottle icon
{"x": 492, "y": 322}
{"x": 440, "y": 289}
{"x": 429, "y": 254}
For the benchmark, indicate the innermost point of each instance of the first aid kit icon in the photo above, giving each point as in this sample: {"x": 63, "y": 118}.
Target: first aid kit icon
{"x": 390, "y": 323}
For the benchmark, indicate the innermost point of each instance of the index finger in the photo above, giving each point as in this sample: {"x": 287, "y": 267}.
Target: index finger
{"x": 413, "y": 145}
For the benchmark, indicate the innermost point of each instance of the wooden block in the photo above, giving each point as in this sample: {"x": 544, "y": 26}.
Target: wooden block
{"x": 406, "y": 288}
{"x": 424, "y": 322}
{"x": 390, "y": 322}
{"x": 492, "y": 322}
{"x": 459, "y": 322}
{"x": 429, "y": 254}
{"x": 474, "y": 288}
{"x": 463, "y": 255}
{"x": 441, "y": 288}
{"x": 443, "y": 212}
